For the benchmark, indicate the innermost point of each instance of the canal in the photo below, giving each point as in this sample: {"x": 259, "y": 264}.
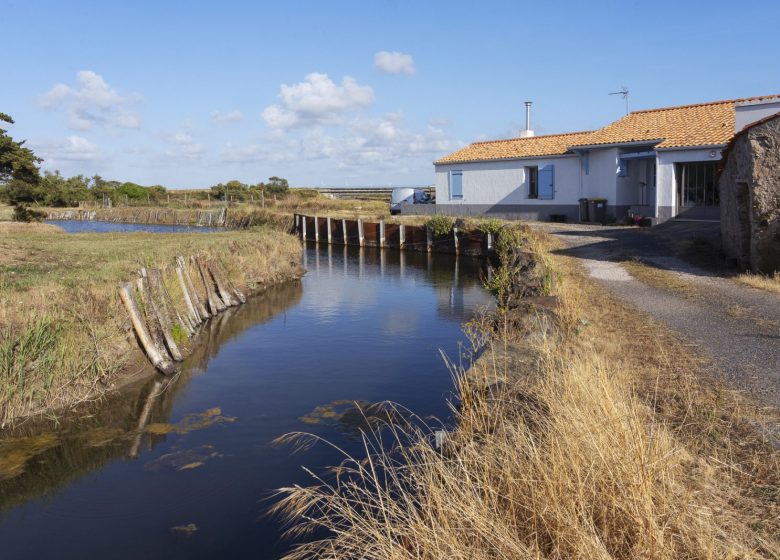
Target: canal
{"x": 186, "y": 468}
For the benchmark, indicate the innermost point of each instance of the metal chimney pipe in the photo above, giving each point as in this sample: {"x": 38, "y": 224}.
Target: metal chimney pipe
{"x": 528, "y": 114}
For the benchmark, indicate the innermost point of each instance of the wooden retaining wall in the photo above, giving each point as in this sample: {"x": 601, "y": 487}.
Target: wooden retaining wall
{"x": 360, "y": 233}
{"x": 160, "y": 324}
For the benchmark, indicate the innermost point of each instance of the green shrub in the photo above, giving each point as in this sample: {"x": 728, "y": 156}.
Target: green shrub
{"x": 24, "y": 214}
{"x": 492, "y": 225}
{"x": 440, "y": 225}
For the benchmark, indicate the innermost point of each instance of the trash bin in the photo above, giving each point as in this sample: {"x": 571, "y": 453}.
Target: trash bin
{"x": 597, "y": 210}
{"x": 584, "y": 210}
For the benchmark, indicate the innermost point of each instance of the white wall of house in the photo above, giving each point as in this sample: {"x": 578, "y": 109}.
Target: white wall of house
{"x": 505, "y": 182}
{"x": 600, "y": 181}
{"x": 752, "y": 112}
{"x": 666, "y": 192}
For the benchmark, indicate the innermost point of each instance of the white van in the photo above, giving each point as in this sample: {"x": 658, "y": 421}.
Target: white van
{"x": 407, "y": 195}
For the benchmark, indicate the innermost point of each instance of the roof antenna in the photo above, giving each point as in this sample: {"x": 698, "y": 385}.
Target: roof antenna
{"x": 624, "y": 93}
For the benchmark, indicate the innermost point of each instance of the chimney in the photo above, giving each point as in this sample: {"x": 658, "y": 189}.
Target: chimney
{"x": 527, "y": 132}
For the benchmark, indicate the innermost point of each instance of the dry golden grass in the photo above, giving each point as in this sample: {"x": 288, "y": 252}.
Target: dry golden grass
{"x": 660, "y": 277}
{"x": 6, "y": 212}
{"x": 770, "y": 283}
{"x": 602, "y": 439}
{"x": 64, "y": 335}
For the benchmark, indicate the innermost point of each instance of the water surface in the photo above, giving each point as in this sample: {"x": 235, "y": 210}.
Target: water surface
{"x": 94, "y": 226}
{"x": 132, "y": 476}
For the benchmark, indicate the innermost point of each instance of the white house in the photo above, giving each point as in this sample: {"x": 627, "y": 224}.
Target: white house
{"x": 657, "y": 163}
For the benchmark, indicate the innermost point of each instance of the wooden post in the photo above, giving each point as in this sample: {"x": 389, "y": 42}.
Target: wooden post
{"x": 215, "y": 304}
{"x": 429, "y": 238}
{"x": 162, "y": 318}
{"x": 455, "y": 238}
{"x": 203, "y": 313}
{"x": 330, "y": 235}
{"x": 154, "y": 355}
{"x": 381, "y": 233}
{"x": 224, "y": 293}
{"x": 316, "y": 229}
{"x": 303, "y": 228}
{"x": 238, "y": 293}
{"x": 161, "y": 291}
{"x": 297, "y": 223}
{"x": 489, "y": 242}
{"x": 401, "y": 236}
{"x": 194, "y": 318}
{"x": 344, "y": 229}
{"x": 262, "y": 199}
{"x": 360, "y": 231}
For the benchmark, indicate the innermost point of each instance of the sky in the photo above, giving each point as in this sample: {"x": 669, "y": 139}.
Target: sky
{"x": 336, "y": 93}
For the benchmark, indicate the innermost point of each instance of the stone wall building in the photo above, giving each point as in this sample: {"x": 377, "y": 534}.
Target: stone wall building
{"x": 750, "y": 196}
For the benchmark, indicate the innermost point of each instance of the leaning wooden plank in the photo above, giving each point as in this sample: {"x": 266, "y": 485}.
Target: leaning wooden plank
{"x": 193, "y": 314}
{"x": 203, "y": 313}
{"x": 241, "y": 297}
{"x": 224, "y": 293}
{"x": 157, "y": 359}
{"x": 215, "y": 304}
{"x": 171, "y": 312}
{"x": 152, "y": 323}
{"x": 162, "y": 321}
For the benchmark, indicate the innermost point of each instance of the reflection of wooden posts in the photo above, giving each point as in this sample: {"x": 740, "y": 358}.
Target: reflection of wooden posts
{"x": 381, "y": 233}
{"x": 429, "y": 238}
{"x": 330, "y": 233}
{"x": 360, "y": 231}
{"x": 143, "y": 419}
{"x": 344, "y": 230}
{"x": 316, "y": 230}
{"x": 401, "y": 236}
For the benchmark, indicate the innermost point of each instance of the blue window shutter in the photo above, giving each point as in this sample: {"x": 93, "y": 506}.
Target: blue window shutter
{"x": 547, "y": 182}
{"x": 456, "y": 184}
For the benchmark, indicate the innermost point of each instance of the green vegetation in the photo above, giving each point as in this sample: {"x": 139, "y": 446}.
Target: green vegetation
{"x": 440, "y": 225}
{"x": 63, "y": 335}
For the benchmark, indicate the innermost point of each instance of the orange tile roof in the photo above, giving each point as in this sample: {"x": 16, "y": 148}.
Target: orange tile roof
{"x": 702, "y": 124}
{"x": 513, "y": 148}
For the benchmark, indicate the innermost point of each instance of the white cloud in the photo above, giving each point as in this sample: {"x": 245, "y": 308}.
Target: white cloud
{"x": 71, "y": 148}
{"x": 228, "y": 117}
{"x": 183, "y": 147}
{"x": 317, "y": 100}
{"x": 361, "y": 142}
{"x": 394, "y": 62}
{"x": 92, "y": 101}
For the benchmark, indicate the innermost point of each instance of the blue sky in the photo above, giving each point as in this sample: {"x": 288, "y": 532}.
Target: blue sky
{"x": 188, "y": 94}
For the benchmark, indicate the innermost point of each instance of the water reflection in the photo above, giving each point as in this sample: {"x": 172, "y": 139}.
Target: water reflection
{"x": 34, "y": 460}
{"x": 115, "y": 478}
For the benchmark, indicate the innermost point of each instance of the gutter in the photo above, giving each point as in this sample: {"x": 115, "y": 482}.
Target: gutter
{"x": 524, "y": 158}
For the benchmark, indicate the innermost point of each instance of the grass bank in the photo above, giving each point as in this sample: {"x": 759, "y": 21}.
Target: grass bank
{"x": 585, "y": 430}
{"x": 64, "y": 334}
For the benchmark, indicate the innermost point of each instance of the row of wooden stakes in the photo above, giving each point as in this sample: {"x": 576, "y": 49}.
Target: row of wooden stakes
{"x": 155, "y": 319}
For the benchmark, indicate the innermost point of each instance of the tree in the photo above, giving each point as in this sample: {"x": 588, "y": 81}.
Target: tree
{"x": 18, "y": 168}
{"x": 276, "y": 185}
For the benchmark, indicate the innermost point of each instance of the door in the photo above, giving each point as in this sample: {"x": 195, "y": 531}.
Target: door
{"x": 698, "y": 196}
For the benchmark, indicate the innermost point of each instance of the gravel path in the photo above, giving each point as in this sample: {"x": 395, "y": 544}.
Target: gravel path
{"x": 738, "y": 326}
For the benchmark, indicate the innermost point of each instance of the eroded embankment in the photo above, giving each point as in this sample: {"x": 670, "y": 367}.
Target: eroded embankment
{"x": 65, "y": 335}
{"x": 585, "y": 430}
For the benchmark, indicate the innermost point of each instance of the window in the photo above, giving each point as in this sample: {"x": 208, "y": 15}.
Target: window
{"x": 532, "y": 174}
{"x": 456, "y": 184}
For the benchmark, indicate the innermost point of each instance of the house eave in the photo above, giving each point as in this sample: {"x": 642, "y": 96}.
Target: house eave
{"x": 524, "y": 158}
{"x": 686, "y": 148}
{"x": 616, "y": 144}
